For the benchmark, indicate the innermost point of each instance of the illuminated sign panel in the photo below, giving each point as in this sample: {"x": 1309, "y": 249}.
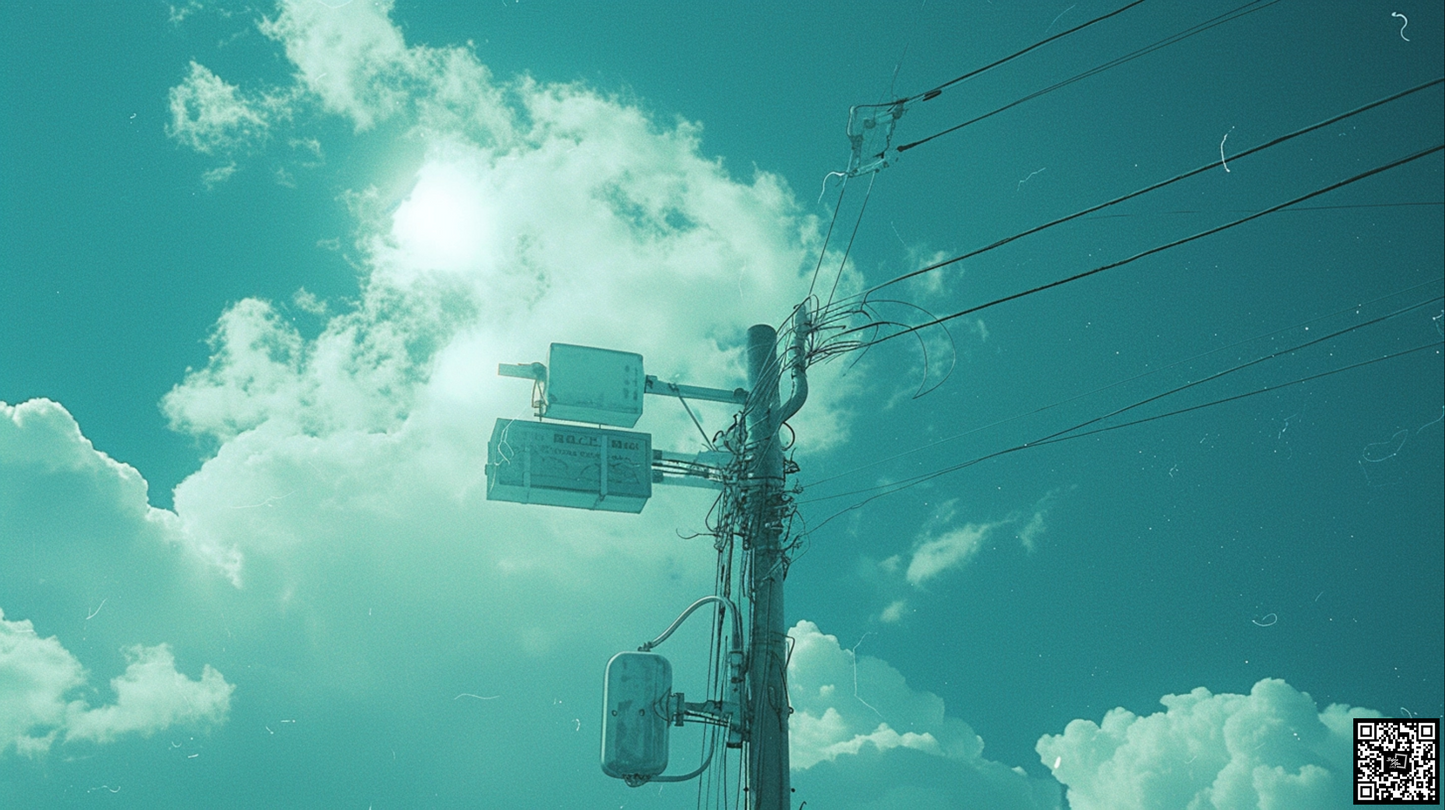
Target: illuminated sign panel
{"x": 569, "y": 465}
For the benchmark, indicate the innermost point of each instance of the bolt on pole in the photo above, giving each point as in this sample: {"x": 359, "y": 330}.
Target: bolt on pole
{"x": 768, "y": 708}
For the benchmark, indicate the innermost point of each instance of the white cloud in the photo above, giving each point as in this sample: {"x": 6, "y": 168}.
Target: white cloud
{"x": 355, "y": 62}
{"x": 345, "y": 496}
{"x": 1036, "y": 525}
{"x": 151, "y": 695}
{"x": 213, "y": 117}
{"x": 938, "y": 549}
{"x": 893, "y": 612}
{"x": 1030, "y": 531}
{"x": 36, "y": 673}
{"x": 1268, "y": 749}
{"x": 352, "y": 57}
{"x": 855, "y": 717}
{"x": 941, "y": 546}
{"x": 838, "y": 707}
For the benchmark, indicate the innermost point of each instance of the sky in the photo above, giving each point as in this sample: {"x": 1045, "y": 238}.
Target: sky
{"x": 1148, "y": 538}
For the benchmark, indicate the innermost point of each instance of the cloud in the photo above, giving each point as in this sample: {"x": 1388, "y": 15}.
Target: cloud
{"x": 214, "y": 117}
{"x": 856, "y": 723}
{"x": 940, "y": 548}
{"x": 1269, "y": 749}
{"x": 151, "y": 695}
{"x": 352, "y": 558}
{"x": 354, "y": 61}
{"x": 1033, "y": 528}
{"x": 36, "y": 673}
{"x": 894, "y": 611}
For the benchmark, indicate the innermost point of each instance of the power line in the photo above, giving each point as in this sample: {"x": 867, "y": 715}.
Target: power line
{"x": 1228, "y": 16}
{"x": 1210, "y": 378}
{"x": 1131, "y": 195}
{"x": 1116, "y": 384}
{"x": 935, "y": 92}
{"x": 1146, "y": 253}
{"x": 899, "y": 486}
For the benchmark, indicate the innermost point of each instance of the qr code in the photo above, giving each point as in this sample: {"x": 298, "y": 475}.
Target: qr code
{"x": 1397, "y": 761}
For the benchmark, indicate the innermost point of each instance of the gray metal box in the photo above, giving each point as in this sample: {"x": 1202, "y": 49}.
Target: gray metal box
{"x": 569, "y": 465}
{"x": 634, "y": 715}
{"x": 586, "y": 384}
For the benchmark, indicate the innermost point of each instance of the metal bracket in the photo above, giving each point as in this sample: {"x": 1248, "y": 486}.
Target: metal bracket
{"x": 525, "y": 371}
{"x": 737, "y": 396}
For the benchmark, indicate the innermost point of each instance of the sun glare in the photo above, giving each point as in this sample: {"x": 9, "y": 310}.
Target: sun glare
{"x": 443, "y": 224}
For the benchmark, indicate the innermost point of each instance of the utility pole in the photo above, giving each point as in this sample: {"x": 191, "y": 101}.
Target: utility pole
{"x": 602, "y": 468}
{"x": 768, "y": 709}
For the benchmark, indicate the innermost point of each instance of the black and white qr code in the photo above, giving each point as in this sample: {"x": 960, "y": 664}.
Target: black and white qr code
{"x": 1397, "y": 761}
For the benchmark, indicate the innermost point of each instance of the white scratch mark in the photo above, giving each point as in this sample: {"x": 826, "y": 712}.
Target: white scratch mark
{"x": 1221, "y": 149}
{"x": 1061, "y": 14}
{"x": 266, "y": 502}
{"x": 854, "y": 652}
{"x": 97, "y": 609}
{"x": 478, "y": 697}
{"x": 1402, "y": 27}
{"x": 1026, "y": 179}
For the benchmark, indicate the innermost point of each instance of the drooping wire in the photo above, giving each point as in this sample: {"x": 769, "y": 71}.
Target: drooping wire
{"x": 843, "y": 263}
{"x": 1151, "y": 251}
{"x": 823, "y": 251}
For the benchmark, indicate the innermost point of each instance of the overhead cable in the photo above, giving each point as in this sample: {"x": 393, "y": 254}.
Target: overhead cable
{"x": 1161, "y": 184}
{"x": 1151, "y": 251}
{"x": 898, "y": 486}
{"x": 1117, "y": 383}
{"x": 1228, "y": 16}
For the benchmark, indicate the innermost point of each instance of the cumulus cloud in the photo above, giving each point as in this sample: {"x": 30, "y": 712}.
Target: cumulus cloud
{"x": 37, "y": 673}
{"x": 540, "y": 213}
{"x": 855, "y": 712}
{"x": 151, "y": 695}
{"x": 1271, "y": 748}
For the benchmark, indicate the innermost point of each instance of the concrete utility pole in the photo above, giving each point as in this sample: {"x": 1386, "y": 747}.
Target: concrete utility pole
{"x": 584, "y": 467}
{"x": 768, "y": 709}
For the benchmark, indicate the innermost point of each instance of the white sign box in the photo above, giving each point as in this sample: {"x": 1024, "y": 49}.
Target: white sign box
{"x": 569, "y": 465}
{"x": 600, "y": 386}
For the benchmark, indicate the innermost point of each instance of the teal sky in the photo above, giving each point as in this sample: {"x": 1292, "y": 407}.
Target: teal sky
{"x": 260, "y": 263}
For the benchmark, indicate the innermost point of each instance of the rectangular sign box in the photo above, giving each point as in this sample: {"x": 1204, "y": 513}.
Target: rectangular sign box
{"x": 587, "y": 384}
{"x": 569, "y": 465}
